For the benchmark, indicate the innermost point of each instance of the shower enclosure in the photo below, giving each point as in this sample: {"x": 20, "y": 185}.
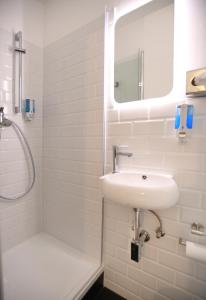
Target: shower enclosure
{"x": 51, "y": 238}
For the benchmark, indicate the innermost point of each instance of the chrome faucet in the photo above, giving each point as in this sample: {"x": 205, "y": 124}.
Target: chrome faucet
{"x": 116, "y": 154}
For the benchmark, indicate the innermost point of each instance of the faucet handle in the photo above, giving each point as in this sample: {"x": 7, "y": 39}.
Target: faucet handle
{"x": 119, "y": 150}
{"x": 122, "y": 147}
{"x": 119, "y": 147}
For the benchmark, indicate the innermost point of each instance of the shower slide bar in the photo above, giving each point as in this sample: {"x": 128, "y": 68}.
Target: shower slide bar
{"x": 19, "y": 50}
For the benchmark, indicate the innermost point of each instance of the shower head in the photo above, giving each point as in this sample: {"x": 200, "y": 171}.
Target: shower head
{"x": 4, "y": 122}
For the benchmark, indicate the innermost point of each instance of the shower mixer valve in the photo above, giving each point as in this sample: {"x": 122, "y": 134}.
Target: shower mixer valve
{"x": 4, "y": 122}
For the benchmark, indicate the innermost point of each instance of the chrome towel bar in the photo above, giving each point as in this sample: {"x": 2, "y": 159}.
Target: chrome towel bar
{"x": 197, "y": 229}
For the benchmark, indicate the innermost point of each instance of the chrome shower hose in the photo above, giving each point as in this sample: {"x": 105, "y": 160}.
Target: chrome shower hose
{"x": 20, "y": 133}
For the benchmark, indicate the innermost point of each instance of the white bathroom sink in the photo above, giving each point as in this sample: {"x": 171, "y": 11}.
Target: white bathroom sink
{"x": 147, "y": 191}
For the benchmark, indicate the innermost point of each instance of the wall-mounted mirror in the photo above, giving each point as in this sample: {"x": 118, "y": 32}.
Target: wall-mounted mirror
{"x": 144, "y": 52}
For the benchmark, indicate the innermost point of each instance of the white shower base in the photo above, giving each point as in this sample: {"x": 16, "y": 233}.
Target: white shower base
{"x": 44, "y": 268}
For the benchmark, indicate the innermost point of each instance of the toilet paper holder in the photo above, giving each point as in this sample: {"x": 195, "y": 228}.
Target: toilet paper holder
{"x": 197, "y": 229}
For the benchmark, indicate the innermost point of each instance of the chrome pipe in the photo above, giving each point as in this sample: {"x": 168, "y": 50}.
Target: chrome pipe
{"x": 137, "y": 223}
{"x": 159, "y": 231}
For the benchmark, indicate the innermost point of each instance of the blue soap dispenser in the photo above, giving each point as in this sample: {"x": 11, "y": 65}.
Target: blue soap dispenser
{"x": 29, "y": 109}
{"x": 183, "y": 119}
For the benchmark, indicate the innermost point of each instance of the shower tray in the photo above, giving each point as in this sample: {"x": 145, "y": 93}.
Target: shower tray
{"x": 45, "y": 268}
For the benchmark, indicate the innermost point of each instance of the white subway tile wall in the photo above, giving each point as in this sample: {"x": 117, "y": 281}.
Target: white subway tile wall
{"x": 73, "y": 127}
{"x": 20, "y": 219}
{"x": 164, "y": 271}
{"x": 72, "y": 162}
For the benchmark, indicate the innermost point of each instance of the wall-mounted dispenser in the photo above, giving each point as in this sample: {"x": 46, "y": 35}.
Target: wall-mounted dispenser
{"x": 29, "y": 109}
{"x": 196, "y": 83}
{"x": 183, "y": 119}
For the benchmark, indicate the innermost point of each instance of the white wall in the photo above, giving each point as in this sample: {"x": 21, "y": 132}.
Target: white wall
{"x": 25, "y": 15}
{"x": 148, "y": 129}
{"x": 165, "y": 272}
{"x": 20, "y": 219}
{"x": 69, "y": 16}
{"x": 63, "y": 17}
{"x": 73, "y": 122}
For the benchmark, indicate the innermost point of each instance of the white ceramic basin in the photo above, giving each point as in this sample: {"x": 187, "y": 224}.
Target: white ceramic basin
{"x": 140, "y": 191}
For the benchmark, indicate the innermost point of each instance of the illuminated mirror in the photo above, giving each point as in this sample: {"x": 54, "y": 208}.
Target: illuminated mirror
{"x": 144, "y": 52}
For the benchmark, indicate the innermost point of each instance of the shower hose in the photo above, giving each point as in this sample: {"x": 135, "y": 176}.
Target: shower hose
{"x": 19, "y": 133}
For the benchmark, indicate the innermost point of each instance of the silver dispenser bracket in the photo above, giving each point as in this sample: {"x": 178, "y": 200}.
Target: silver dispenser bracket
{"x": 196, "y": 83}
